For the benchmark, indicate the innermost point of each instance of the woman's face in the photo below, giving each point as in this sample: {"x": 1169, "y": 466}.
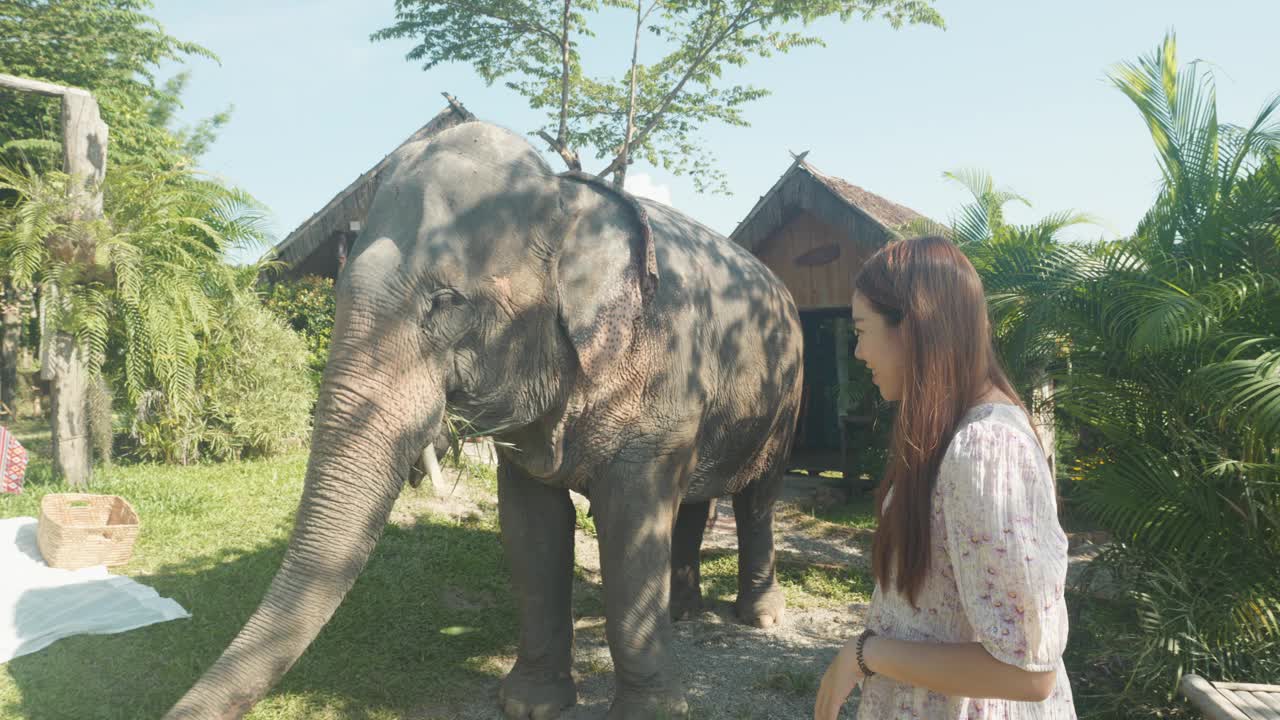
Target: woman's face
{"x": 880, "y": 346}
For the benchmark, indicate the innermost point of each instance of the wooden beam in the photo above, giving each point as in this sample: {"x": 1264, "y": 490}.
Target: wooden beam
{"x": 458, "y": 107}
{"x": 1206, "y": 698}
{"x": 1248, "y": 687}
{"x": 39, "y": 87}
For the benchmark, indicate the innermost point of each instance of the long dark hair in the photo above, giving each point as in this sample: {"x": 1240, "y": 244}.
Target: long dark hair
{"x": 926, "y": 287}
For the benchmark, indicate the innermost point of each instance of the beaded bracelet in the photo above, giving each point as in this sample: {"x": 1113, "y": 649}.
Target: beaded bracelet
{"x": 862, "y": 664}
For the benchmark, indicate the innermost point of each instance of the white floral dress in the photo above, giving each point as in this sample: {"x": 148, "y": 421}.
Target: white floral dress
{"x": 996, "y": 575}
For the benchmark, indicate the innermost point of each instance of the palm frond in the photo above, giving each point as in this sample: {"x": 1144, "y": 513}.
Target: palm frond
{"x": 1247, "y": 390}
{"x": 1261, "y": 138}
{"x": 1180, "y": 109}
{"x": 1149, "y": 499}
{"x": 921, "y": 227}
{"x": 979, "y": 220}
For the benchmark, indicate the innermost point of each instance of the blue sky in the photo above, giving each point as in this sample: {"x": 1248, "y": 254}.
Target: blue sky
{"x": 1015, "y": 87}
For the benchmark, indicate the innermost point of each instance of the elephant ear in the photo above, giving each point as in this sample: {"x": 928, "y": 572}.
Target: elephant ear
{"x": 606, "y": 270}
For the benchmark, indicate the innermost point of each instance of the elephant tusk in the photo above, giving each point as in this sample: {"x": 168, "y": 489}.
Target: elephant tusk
{"x": 433, "y": 469}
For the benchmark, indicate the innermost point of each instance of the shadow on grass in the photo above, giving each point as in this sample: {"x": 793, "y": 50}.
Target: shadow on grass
{"x": 413, "y": 635}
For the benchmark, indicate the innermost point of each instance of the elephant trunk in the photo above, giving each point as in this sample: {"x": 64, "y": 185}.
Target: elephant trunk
{"x": 366, "y": 435}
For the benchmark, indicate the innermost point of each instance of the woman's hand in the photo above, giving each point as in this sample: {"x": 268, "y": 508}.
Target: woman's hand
{"x": 841, "y": 677}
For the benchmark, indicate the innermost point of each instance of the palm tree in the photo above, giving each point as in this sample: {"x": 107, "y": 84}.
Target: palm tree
{"x": 1183, "y": 378}
{"x": 1012, "y": 260}
{"x": 1166, "y": 349}
{"x": 1027, "y": 300}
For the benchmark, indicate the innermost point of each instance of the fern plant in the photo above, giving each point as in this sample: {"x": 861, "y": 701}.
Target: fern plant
{"x": 253, "y": 393}
{"x": 143, "y": 288}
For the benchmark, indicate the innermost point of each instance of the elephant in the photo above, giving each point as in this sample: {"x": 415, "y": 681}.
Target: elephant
{"x": 611, "y": 345}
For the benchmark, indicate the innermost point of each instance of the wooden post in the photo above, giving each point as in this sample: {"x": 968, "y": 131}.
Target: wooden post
{"x": 84, "y": 154}
{"x": 84, "y": 158}
{"x": 11, "y": 318}
{"x": 1042, "y": 419}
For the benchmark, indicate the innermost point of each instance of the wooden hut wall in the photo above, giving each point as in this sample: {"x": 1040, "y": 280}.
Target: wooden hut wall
{"x": 817, "y": 261}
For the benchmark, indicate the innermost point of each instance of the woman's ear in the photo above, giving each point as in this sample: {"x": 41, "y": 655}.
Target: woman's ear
{"x": 606, "y": 271}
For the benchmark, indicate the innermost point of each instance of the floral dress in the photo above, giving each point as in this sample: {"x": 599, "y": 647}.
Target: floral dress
{"x": 997, "y": 570}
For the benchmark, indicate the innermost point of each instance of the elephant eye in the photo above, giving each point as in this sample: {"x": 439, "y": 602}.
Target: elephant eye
{"x": 439, "y": 319}
{"x": 441, "y": 299}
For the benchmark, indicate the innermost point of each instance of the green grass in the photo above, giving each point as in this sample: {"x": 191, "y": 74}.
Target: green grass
{"x": 858, "y": 513}
{"x": 584, "y": 522}
{"x": 804, "y": 585}
{"x": 434, "y": 595}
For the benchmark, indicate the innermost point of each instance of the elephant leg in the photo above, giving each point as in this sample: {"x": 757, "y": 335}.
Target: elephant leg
{"x": 760, "y": 598}
{"x": 537, "y": 534}
{"x": 635, "y": 508}
{"x": 686, "y": 547}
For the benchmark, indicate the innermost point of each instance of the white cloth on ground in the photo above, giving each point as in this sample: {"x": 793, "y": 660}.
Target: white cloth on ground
{"x": 40, "y": 605}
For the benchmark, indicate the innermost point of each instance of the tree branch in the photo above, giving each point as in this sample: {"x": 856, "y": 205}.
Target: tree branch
{"x": 524, "y": 26}
{"x": 562, "y": 135}
{"x": 570, "y": 157}
{"x": 620, "y": 176}
{"x": 704, "y": 52}
{"x": 652, "y": 6}
{"x": 38, "y": 87}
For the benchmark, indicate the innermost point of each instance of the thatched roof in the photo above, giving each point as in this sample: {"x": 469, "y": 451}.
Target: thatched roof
{"x": 837, "y": 202}
{"x": 312, "y": 246}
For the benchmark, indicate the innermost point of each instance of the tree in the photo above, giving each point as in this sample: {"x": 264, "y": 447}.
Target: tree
{"x": 652, "y": 111}
{"x": 110, "y": 48}
{"x": 79, "y": 264}
{"x": 307, "y": 304}
{"x": 252, "y": 393}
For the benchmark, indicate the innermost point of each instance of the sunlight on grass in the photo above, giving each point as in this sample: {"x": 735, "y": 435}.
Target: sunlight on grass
{"x": 804, "y": 585}
{"x": 857, "y": 513}
{"x": 430, "y": 622}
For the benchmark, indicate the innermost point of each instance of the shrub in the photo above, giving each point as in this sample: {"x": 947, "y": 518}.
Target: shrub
{"x": 307, "y": 305}
{"x": 254, "y": 396}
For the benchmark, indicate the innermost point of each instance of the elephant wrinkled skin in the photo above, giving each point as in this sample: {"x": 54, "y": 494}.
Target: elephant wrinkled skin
{"x": 613, "y": 346}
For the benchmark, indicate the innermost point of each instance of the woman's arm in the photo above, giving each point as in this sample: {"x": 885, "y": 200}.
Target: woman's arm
{"x": 961, "y": 669}
{"x": 964, "y": 669}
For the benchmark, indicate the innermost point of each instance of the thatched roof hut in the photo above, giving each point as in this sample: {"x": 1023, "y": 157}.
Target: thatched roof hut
{"x": 319, "y": 245}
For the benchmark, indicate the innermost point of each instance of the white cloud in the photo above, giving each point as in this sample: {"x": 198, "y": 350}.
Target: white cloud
{"x": 643, "y": 185}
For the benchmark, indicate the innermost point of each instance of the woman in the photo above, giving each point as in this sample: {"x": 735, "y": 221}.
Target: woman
{"x": 967, "y": 619}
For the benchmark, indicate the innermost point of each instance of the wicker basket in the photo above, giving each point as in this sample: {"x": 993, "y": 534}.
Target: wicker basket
{"x": 78, "y": 530}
